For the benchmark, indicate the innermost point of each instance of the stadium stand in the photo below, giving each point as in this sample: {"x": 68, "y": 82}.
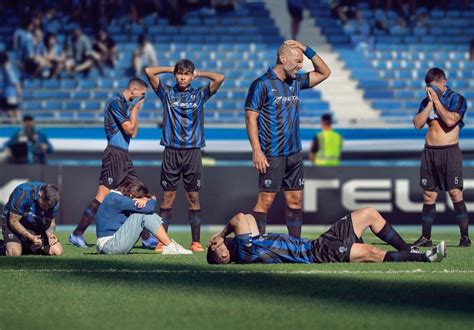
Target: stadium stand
{"x": 241, "y": 44}
{"x": 390, "y": 65}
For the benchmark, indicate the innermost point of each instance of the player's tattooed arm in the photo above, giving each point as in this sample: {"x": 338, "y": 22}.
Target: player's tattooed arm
{"x": 50, "y": 232}
{"x": 153, "y": 72}
{"x": 216, "y": 79}
{"x": 420, "y": 119}
{"x": 14, "y": 222}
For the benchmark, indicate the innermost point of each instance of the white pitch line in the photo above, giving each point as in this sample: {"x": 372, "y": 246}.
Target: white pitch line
{"x": 241, "y": 272}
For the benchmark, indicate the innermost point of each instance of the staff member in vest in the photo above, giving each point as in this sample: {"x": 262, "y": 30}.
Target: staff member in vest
{"x": 327, "y": 145}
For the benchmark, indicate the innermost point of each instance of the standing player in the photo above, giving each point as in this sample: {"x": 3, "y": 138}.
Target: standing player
{"x": 183, "y": 137}
{"x": 272, "y": 119}
{"x": 29, "y": 220}
{"x": 120, "y": 124}
{"x": 441, "y": 160}
{"x": 341, "y": 243}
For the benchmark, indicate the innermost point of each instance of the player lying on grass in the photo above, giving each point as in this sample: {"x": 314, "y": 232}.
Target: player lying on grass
{"x": 341, "y": 243}
{"x": 123, "y": 215}
{"x": 28, "y": 220}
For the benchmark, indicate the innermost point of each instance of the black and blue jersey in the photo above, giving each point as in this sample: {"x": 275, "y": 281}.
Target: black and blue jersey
{"x": 277, "y": 103}
{"x": 116, "y": 112}
{"x": 183, "y": 116}
{"x": 23, "y": 201}
{"x": 273, "y": 249}
{"x": 452, "y": 101}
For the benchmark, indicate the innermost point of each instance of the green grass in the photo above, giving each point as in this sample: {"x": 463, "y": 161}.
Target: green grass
{"x": 142, "y": 290}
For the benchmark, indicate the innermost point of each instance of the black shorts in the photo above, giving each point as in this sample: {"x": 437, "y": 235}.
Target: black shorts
{"x": 6, "y": 106}
{"x": 185, "y": 162}
{"x": 284, "y": 173}
{"x": 335, "y": 245}
{"x": 117, "y": 168}
{"x": 441, "y": 168}
{"x": 9, "y": 236}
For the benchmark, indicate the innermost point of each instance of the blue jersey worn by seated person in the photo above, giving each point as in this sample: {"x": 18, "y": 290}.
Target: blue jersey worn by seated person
{"x": 23, "y": 201}
{"x": 114, "y": 211}
{"x": 116, "y": 112}
{"x": 452, "y": 101}
{"x": 273, "y": 249}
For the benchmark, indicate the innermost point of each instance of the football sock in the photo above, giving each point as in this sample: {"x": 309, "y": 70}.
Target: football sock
{"x": 402, "y": 256}
{"x": 195, "y": 222}
{"x": 390, "y": 236}
{"x": 294, "y": 218}
{"x": 261, "y": 219}
{"x": 165, "y": 215}
{"x": 87, "y": 217}
{"x": 463, "y": 218}
{"x": 427, "y": 217}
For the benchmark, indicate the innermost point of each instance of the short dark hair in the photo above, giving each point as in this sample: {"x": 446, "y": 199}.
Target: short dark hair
{"x": 434, "y": 74}
{"x": 212, "y": 257}
{"x": 50, "y": 195}
{"x": 137, "y": 81}
{"x": 28, "y": 118}
{"x": 142, "y": 38}
{"x": 135, "y": 189}
{"x": 184, "y": 65}
{"x": 326, "y": 118}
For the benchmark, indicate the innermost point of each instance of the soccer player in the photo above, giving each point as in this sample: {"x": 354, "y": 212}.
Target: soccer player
{"x": 29, "y": 220}
{"x": 341, "y": 243}
{"x": 124, "y": 214}
{"x": 272, "y": 119}
{"x": 120, "y": 124}
{"x": 183, "y": 137}
{"x": 441, "y": 159}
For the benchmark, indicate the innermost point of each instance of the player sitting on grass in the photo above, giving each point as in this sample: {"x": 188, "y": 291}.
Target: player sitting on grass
{"x": 123, "y": 215}
{"x": 29, "y": 220}
{"x": 341, "y": 243}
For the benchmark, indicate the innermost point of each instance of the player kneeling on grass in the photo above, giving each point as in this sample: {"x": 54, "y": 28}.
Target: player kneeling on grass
{"x": 123, "y": 215}
{"x": 341, "y": 243}
{"x": 28, "y": 220}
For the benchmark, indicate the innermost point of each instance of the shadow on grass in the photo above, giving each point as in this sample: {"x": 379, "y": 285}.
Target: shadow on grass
{"x": 396, "y": 294}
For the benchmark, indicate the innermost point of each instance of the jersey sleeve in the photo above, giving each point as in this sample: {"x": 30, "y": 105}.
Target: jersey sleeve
{"x": 162, "y": 91}
{"x": 205, "y": 92}
{"x": 303, "y": 80}
{"x": 21, "y": 201}
{"x": 256, "y": 96}
{"x": 119, "y": 112}
{"x": 458, "y": 104}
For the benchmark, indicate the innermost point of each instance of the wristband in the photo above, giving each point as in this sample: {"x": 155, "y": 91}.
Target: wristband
{"x": 309, "y": 52}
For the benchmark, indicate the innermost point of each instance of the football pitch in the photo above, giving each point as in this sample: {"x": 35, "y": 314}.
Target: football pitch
{"x": 83, "y": 290}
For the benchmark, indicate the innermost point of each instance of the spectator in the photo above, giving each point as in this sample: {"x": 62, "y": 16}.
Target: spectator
{"x": 28, "y": 145}
{"x": 54, "y": 57}
{"x": 295, "y": 8}
{"x": 381, "y": 20}
{"x": 10, "y": 89}
{"x": 144, "y": 55}
{"x": 80, "y": 56}
{"x": 39, "y": 53}
{"x": 23, "y": 44}
{"x": 344, "y": 9}
{"x": 400, "y": 28}
{"x": 327, "y": 145}
{"x": 105, "y": 46}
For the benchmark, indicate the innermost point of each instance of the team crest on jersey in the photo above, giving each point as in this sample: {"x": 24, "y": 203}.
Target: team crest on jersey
{"x": 110, "y": 181}
{"x": 342, "y": 249}
{"x": 292, "y": 89}
{"x": 267, "y": 183}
